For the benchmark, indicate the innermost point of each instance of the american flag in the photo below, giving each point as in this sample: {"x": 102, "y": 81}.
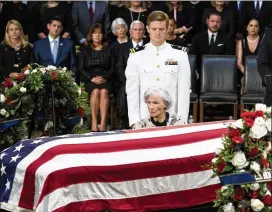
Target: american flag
{"x": 133, "y": 170}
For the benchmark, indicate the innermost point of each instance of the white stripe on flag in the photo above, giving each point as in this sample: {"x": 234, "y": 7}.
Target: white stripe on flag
{"x": 133, "y": 188}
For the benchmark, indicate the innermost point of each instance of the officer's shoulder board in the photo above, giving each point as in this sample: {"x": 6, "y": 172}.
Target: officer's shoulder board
{"x": 133, "y": 50}
{"x": 182, "y": 48}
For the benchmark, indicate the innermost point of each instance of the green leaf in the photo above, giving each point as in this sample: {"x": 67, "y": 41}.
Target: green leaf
{"x": 228, "y": 168}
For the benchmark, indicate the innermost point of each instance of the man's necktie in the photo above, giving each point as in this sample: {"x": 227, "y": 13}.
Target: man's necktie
{"x": 257, "y": 9}
{"x": 91, "y": 12}
{"x": 212, "y": 40}
{"x": 55, "y": 50}
{"x": 240, "y": 7}
{"x": 137, "y": 46}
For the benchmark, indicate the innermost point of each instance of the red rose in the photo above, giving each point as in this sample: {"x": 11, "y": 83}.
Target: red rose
{"x": 264, "y": 162}
{"x": 267, "y": 200}
{"x": 80, "y": 110}
{"x": 269, "y": 185}
{"x": 10, "y": 101}
{"x": 249, "y": 122}
{"x": 54, "y": 76}
{"x": 237, "y": 140}
{"x": 221, "y": 165}
{"x": 19, "y": 77}
{"x": 253, "y": 152}
{"x": 233, "y": 133}
{"x": 8, "y": 83}
{"x": 239, "y": 194}
{"x": 254, "y": 194}
{"x": 259, "y": 113}
{"x": 245, "y": 115}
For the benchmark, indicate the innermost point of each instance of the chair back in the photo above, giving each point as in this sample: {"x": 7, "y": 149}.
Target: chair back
{"x": 218, "y": 74}
{"x": 253, "y": 81}
{"x": 192, "y": 61}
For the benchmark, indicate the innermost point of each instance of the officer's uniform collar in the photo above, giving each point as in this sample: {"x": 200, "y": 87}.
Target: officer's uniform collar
{"x": 158, "y": 48}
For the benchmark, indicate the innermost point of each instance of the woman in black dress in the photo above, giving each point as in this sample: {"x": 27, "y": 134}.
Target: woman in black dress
{"x": 248, "y": 46}
{"x": 15, "y": 51}
{"x": 96, "y": 68}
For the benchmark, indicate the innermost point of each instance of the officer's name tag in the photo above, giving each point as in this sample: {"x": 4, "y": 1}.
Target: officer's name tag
{"x": 264, "y": 176}
{"x": 171, "y": 62}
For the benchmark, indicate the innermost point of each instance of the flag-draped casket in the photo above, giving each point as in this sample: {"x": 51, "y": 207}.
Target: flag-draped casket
{"x": 134, "y": 170}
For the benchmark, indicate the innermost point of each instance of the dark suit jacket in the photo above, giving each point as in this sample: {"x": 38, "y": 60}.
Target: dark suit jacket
{"x": 264, "y": 62}
{"x": 81, "y": 18}
{"x": 8, "y": 59}
{"x": 224, "y": 45}
{"x": 66, "y": 54}
{"x": 248, "y": 12}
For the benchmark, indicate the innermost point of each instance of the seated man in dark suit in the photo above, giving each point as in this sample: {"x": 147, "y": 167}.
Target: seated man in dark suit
{"x": 136, "y": 34}
{"x": 55, "y": 50}
{"x": 212, "y": 41}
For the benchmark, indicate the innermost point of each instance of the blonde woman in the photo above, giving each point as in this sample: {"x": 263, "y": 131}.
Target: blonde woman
{"x": 15, "y": 52}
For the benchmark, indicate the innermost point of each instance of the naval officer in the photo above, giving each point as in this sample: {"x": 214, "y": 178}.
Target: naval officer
{"x": 161, "y": 65}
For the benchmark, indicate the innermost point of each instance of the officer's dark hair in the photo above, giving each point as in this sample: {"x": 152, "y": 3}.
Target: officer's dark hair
{"x": 214, "y": 13}
{"x": 55, "y": 18}
{"x": 157, "y": 16}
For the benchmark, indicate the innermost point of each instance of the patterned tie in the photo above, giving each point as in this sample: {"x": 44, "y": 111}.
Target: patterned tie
{"x": 55, "y": 50}
{"x": 137, "y": 46}
{"x": 91, "y": 12}
{"x": 257, "y": 9}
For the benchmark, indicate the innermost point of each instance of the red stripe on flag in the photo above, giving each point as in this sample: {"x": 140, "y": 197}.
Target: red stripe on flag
{"x": 124, "y": 172}
{"x": 27, "y": 194}
{"x": 166, "y": 201}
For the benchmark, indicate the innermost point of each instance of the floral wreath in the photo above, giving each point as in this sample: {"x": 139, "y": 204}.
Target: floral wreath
{"x": 246, "y": 154}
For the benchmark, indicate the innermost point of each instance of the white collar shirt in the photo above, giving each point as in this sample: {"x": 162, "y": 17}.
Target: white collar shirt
{"x": 210, "y": 35}
{"x": 51, "y": 41}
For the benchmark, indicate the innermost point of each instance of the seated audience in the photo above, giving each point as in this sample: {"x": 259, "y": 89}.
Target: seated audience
{"x": 119, "y": 28}
{"x": 87, "y": 13}
{"x": 136, "y": 40}
{"x": 42, "y": 11}
{"x": 248, "y": 46}
{"x": 171, "y": 37}
{"x": 15, "y": 51}
{"x": 158, "y": 101}
{"x": 96, "y": 68}
{"x": 212, "y": 41}
{"x": 54, "y": 49}
{"x": 228, "y": 25}
{"x": 134, "y": 10}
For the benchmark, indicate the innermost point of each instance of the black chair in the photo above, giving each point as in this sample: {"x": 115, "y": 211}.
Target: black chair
{"x": 218, "y": 82}
{"x": 193, "y": 94}
{"x": 253, "y": 90}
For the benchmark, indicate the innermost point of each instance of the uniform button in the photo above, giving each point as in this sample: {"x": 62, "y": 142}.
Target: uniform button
{"x": 157, "y": 54}
{"x": 158, "y": 66}
{"x": 158, "y": 79}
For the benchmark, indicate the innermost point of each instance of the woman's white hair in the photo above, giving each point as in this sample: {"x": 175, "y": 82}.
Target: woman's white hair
{"x": 162, "y": 93}
{"x": 118, "y": 21}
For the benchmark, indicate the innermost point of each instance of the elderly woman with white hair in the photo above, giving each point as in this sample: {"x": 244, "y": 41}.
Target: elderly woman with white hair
{"x": 158, "y": 101}
{"x": 120, "y": 28}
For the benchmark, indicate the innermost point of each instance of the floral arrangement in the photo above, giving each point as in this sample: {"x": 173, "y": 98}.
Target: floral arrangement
{"x": 246, "y": 148}
{"x": 36, "y": 89}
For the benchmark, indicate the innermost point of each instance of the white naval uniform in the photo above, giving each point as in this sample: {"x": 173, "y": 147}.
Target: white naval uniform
{"x": 158, "y": 66}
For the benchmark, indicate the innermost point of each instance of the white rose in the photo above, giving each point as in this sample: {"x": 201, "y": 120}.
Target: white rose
{"x": 255, "y": 186}
{"x": 79, "y": 91}
{"x": 23, "y": 89}
{"x": 218, "y": 151}
{"x": 33, "y": 71}
{"x": 258, "y": 131}
{"x": 2, "y": 98}
{"x": 64, "y": 69}
{"x": 43, "y": 70}
{"x": 268, "y": 110}
{"x": 214, "y": 160}
{"x": 256, "y": 205}
{"x": 3, "y": 112}
{"x": 229, "y": 207}
{"x": 14, "y": 83}
{"x": 51, "y": 68}
{"x": 255, "y": 166}
{"x": 223, "y": 188}
{"x": 261, "y": 107}
{"x": 238, "y": 124}
{"x": 268, "y": 124}
{"x": 26, "y": 72}
{"x": 239, "y": 160}
{"x": 259, "y": 121}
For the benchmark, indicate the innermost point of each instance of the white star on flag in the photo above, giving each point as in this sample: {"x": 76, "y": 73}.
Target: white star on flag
{"x": 7, "y": 185}
{"x": 15, "y": 158}
{"x": 3, "y": 169}
{"x": 37, "y": 141}
{"x": 2, "y": 155}
{"x": 18, "y": 148}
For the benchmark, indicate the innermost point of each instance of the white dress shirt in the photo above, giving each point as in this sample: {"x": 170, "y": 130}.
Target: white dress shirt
{"x": 210, "y": 35}
{"x": 260, "y": 3}
{"x": 141, "y": 43}
{"x": 51, "y": 41}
